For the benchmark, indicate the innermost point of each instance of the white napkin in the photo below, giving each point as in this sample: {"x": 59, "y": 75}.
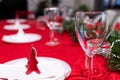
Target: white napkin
{"x": 16, "y": 26}
{"x": 20, "y": 33}
{"x": 17, "y": 23}
{"x": 19, "y": 36}
{"x": 13, "y": 20}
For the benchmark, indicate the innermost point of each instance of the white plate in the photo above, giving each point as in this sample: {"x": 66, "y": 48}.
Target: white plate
{"x": 49, "y": 67}
{"x": 13, "y": 20}
{"x": 26, "y": 38}
{"x": 14, "y": 27}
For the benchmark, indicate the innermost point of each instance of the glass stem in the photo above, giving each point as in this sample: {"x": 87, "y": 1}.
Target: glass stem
{"x": 89, "y": 66}
{"x": 51, "y": 35}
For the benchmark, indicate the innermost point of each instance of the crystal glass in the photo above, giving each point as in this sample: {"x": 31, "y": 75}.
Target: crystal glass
{"x": 40, "y": 23}
{"x": 51, "y": 14}
{"x": 91, "y": 30}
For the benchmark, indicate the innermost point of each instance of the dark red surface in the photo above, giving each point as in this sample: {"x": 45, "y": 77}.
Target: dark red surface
{"x": 67, "y": 51}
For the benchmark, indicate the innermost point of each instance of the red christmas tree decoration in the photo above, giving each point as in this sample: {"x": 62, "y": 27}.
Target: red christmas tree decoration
{"x": 32, "y": 62}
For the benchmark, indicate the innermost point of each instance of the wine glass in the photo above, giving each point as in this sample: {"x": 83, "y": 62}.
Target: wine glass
{"x": 91, "y": 30}
{"x": 51, "y": 14}
{"x": 40, "y": 22}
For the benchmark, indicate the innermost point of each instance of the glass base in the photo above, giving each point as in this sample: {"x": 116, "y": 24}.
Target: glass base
{"x": 52, "y": 43}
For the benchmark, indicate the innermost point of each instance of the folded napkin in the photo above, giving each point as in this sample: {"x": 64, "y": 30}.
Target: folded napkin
{"x": 19, "y": 25}
{"x": 32, "y": 62}
{"x": 20, "y": 32}
{"x": 16, "y": 26}
{"x": 13, "y": 20}
{"x": 17, "y": 22}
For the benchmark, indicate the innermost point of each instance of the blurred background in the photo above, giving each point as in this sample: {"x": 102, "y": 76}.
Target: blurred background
{"x": 8, "y": 8}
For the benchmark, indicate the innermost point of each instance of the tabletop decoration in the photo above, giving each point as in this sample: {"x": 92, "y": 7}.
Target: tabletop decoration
{"x": 113, "y": 61}
{"x": 68, "y": 26}
{"x": 32, "y": 62}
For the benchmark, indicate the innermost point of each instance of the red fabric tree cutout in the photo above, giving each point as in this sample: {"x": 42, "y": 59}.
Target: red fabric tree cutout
{"x": 32, "y": 62}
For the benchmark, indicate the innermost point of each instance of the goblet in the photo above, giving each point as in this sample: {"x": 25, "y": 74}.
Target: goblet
{"x": 91, "y": 30}
{"x": 51, "y": 14}
{"x": 40, "y": 22}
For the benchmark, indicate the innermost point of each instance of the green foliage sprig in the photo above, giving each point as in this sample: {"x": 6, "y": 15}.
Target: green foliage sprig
{"x": 113, "y": 61}
{"x": 69, "y": 27}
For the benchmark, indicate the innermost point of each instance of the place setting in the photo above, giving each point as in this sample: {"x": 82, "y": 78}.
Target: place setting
{"x": 21, "y": 37}
{"x": 13, "y": 20}
{"x": 35, "y": 68}
{"x": 16, "y": 25}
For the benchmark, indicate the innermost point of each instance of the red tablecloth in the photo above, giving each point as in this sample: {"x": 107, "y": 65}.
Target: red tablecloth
{"x": 67, "y": 50}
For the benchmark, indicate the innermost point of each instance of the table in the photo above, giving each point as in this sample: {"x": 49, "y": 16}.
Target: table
{"x": 67, "y": 50}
